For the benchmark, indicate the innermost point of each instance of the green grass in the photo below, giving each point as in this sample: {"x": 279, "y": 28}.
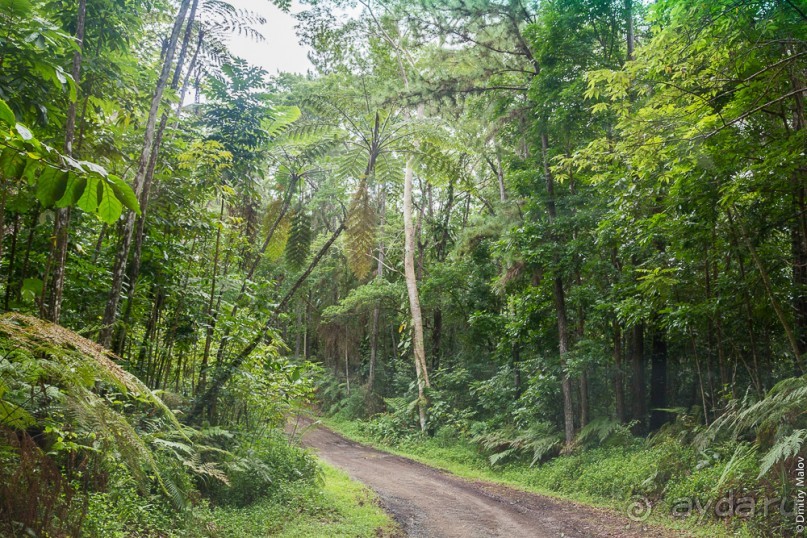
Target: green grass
{"x": 339, "y": 507}
{"x": 605, "y": 478}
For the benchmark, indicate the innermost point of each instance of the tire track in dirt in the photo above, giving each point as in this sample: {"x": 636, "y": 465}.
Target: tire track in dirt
{"x": 429, "y": 503}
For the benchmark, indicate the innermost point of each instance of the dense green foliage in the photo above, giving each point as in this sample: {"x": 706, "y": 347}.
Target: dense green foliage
{"x": 606, "y": 255}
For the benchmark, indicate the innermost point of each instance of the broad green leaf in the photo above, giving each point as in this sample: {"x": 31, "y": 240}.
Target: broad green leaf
{"x": 51, "y": 186}
{"x": 92, "y": 167}
{"x": 109, "y": 207}
{"x": 124, "y": 193}
{"x": 29, "y": 173}
{"x": 6, "y": 115}
{"x": 24, "y": 131}
{"x": 89, "y": 198}
{"x": 15, "y": 8}
{"x": 31, "y": 288}
{"x": 12, "y": 163}
{"x": 73, "y": 190}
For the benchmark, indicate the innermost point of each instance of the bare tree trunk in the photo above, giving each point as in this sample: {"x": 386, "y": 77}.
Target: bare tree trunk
{"x": 347, "y": 364}
{"x": 619, "y": 376}
{"x": 638, "y": 391}
{"x": 629, "y": 38}
{"x": 12, "y": 255}
{"x": 134, "y": 266}
{"x": 254, "y": 267}
{"x": 658, "y": 380}
{"x": 766, "y": 282}
{"x": 62, "y": 221}
{"x": 209, "y": 314}
{"x": 412, "y": 290}
{"x": 119, "y": 268}
{"x": 560, "y": 307}
{"x": 409, "y": 244}
{"x": 3, "y": 196}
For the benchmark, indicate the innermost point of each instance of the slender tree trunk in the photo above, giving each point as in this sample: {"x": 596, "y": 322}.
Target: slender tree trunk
{"x": 638, "y": 391}
{"x": 209, "y": 314}
{"x": 500, "y": 177}
{"x": 560, "y": 306}
{"x": 658, "y": 380}
{"x": 62, "y": 221}
{"x": 12, "y": 255}
{"x": 441, "y": 249}
{"x": 254, "y": 267}
{"x": 629, "y": 27}
{"x": 437, "y": 334}
{"x": 134, "y": 266}
{"x": 619, "y": 376}
{"x": 3, "y": 196}
{"x": 347, "y": 364}
{"x": 412, "y": 290}
{"x": 119, "y": 268}
{"x": 766, "y": 282}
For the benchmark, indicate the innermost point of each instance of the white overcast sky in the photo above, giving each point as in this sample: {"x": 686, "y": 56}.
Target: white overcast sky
{"x": 281, "y": 51}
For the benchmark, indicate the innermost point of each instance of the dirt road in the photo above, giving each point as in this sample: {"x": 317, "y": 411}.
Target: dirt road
{"x": 431, "y": 503}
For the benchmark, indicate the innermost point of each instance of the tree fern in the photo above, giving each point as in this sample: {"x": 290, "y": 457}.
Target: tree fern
{"x": 537, "y": 442}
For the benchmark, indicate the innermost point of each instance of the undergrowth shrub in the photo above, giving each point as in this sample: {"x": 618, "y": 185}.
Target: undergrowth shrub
{"x": 258, "y": 469}
{"x": 392, "y": 427}
{"x": 335, "y": 400}
{"x": 122, "y": 511}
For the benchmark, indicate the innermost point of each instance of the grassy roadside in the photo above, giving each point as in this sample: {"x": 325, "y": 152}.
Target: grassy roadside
{"x": 339, "y": 507}
{"x": 463, "y": 459}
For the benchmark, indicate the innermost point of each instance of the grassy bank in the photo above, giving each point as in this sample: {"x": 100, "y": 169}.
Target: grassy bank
{"x": 339, "y": 507}
{"x": 611, "y": 477}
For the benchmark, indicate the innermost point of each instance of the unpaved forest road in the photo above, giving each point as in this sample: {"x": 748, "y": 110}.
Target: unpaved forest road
{"x": 430, "y": 503}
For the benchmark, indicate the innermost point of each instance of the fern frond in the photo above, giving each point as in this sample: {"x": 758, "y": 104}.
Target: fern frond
{"x": 784, "y": 449}
{"x": 360, "y": 232}
{"x": 299, "y": 242}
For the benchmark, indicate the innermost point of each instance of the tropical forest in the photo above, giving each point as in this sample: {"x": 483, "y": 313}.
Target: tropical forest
{"x": 471, "y": 268}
